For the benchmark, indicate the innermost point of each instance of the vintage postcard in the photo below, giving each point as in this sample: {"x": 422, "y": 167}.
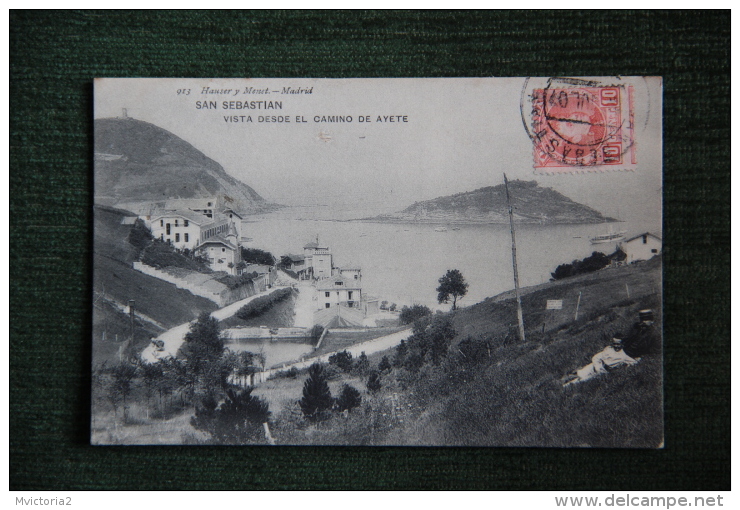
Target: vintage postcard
{"x": 425, "y": 262}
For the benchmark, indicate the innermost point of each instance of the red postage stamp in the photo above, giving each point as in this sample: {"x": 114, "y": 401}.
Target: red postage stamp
{"x": 582, "y": 126}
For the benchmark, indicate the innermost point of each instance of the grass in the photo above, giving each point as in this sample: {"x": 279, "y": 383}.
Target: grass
{"x": 510, "y": 396}
{"x": 336, "y": 339}
{"x": 115, "y": 279}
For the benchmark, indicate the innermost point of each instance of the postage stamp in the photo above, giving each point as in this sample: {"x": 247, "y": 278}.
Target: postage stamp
{"x": 378, "y": 262}
{"x": 580, "y": 124}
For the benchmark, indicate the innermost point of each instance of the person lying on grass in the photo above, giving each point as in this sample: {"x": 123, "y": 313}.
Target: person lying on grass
{"x": 611, "y": 358}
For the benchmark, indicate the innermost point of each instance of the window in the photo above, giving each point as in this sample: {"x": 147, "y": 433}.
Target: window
{"x": 644, "y": 239}
{"x": 327, "y": 305}
{"x": 349, "y": 295}
{"x": 338, "y": 284}
{"x": 177, "y": 238}
{"x": 176, "y": 223}
{"x": 653, "y": 251}
{"x": 168, "y": 229}
{"x": 326, "y": 294}
{"x": 356, "y": 277}
{"x": 186, "y": 223}
{"x": 187, "y": 237}
{"x": 161, "y": 223}
{"x": 223, "y": 250}
{"x": 161, "y": 236}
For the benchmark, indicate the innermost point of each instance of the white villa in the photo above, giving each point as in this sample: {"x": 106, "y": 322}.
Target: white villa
{"x": 198, "y": 224}
{"x": 641, "y": 247}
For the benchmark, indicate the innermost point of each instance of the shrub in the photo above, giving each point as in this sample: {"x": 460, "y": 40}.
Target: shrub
{"x": 384, "y": 364}
{"x": 161, "y": 254}
{"x": 363, "y": 364}
{"x": 401, "y": 352}
{"x": 473, "y": 352}
{"x": 139, "y": 237}
{"x": 414, "y": 313}
{"x": 348, "y": 399}
{"x": 238, "y": 420}
{"x": 373, "y": 382}
{"x": 257, "y": 256}
{"x": 260, "y": 305}
{"x": 343, "y": 360}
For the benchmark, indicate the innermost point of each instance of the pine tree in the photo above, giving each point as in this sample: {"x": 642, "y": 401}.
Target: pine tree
{"x": 363, "y": 364}
{"x": 317, "y": 399}
{"x": 348, "y": 399}
{"x": 373, "y": 382}
{"x": 384, "y": 364}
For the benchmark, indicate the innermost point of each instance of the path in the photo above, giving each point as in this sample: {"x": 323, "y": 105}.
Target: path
{"x": 369, "y": 347}
{"x": 174, "y": 338}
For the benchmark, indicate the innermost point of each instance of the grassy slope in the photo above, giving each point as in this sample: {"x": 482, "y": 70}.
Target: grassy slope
{"x": 516, "y": 397}
{"x": 115, "y": 279}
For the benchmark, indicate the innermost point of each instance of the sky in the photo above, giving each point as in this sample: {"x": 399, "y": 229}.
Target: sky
{"x": 451, "y": 135}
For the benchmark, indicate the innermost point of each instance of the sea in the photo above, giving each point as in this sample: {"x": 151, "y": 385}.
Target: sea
{"x": 402, "y": 263}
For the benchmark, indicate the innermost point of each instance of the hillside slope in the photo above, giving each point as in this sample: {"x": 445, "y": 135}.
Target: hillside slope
{"x": 531, "y": 203}
{"x": 138, "y": 161}
{"x": 115, "y": 282}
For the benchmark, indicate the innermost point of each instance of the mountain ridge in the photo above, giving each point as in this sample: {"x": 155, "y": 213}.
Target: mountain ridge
{"x": 136, "y": 161}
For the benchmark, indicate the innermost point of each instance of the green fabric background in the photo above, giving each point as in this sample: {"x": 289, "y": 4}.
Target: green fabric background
{"x": 54, "y": 57}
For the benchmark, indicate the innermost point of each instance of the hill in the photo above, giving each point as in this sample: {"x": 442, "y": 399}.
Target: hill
{"x": 531, "y": 203}
{"x": 138, "y": 161}
{"x": 491, "y": 389}
{"x": 159, "y": 305}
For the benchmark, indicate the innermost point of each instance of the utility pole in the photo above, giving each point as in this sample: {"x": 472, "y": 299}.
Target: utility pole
{"x": 519, "y": 314}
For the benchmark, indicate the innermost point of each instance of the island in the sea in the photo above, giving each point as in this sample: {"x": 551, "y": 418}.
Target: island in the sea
{"x": 531, "y": 203}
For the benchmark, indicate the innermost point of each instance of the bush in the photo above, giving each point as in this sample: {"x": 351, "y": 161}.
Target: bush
{"x": 342, "y": 360}
{"x": 260, "y": 305}
{"x": 473, "y": 352}
{"x": 257, "y": 256}
{"x": 373, "y": 382}
{"x": 348, "y": 399}
{"x": 140, "y": 236}
{"x": 596, "y": 261}
{"x": 238, "y": 420}
{"x": 384, "y": 364}
{"x": 234, "y": 282}
{"x": 413, "y": 313}
{"x": 161, "y": 254}
{"x": 363, "y": 364}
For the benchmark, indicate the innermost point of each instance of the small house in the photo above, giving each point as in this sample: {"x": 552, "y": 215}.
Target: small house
{"x": 641, "y": 247}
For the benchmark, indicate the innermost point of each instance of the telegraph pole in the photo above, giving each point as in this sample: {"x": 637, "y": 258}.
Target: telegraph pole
{"x": 519, "y": 314}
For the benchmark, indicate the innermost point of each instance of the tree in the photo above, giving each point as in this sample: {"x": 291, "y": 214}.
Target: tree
{"x": 257, "y": 256}
{"x": 238, "y": 420}
{"x": 120, "y": 388}
{"x": 203, "y": 343}
{"x": 317, "y": 399}
{"x": 348, "y": 399}
{"x": 140, "y": 236}
{"x": 363, "y": 364}
{"x": 452, "y": 285}
{"x": 384, "y": 364}
{"x": 413, "y": 313}
{"x": 373, "y": 382}
{"x": 343, "y": 360}
{"x": 401, "y": 351}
